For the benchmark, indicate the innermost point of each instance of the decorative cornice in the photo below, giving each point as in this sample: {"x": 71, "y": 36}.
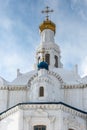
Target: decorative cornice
{"x": 75, "y": 86}
{"x": 51, "y": 48}
{"x": 57, "y": 76}
{"x": 47, "y": 80}
{"x": 47, "y": 106}
{"x": 63, "y": 84}
{"x": 8, "y": 112}
{"x": 14, "y": 87}
{"x": 43, "y": 79}
{"x": 32, "y": 78}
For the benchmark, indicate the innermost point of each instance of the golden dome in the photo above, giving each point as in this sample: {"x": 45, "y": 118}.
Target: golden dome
{"x": 47, "y": 24}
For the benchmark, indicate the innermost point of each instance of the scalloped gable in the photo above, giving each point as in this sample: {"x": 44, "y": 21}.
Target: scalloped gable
{"x": 23, "y": 79}
{"x": 69, "y": 77}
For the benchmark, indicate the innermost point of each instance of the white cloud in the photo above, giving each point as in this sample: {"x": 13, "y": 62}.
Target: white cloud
{"x": 80, "y": 7}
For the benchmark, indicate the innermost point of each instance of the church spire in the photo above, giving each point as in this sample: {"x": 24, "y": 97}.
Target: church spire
{"x": 48, "y": 52}
{"x": 47, "y": 24}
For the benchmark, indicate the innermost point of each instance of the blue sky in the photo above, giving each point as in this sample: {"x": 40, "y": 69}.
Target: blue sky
{"x": 19, "y": 33}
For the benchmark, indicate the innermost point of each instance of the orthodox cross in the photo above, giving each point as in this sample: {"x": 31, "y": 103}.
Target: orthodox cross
{"x": 47, "y": 11}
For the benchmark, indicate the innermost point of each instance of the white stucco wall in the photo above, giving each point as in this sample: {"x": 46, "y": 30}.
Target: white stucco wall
{"x": 51, "y": 86}
{"x": 11, "y": 122}
{"x": 74, "y": 97}
{"x": 85, "y": 98}
{"x": 16, "y": 97}
{"x": 3, "y": 100}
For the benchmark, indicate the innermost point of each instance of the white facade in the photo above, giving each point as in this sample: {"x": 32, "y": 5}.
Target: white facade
{"x": 55, "y": 98}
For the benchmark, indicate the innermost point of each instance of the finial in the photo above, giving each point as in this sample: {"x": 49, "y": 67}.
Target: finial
{"x": 47, "y": 11}
{"x": 18, "y": 72}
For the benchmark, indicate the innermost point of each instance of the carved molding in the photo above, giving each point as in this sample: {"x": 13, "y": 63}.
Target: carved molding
{"x": 13, "y": 87}
{"x": 44, "y": 106}
{"x": 40, "y": 113}
{"x": 75, "y": 86}
{"x": 52, "y": 119}
{"x": 56, "y": 76}
{"x": 52, "y": 47}
{"x": 31, "y": 79}
{"x": 42, "y": 79}
{"x": 9, "y": 112}
{"x": 46, "y": 80}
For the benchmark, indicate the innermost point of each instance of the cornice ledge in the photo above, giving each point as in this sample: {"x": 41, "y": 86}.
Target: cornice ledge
{"x": 73, "y": 112}
{"x": 56, "y": 48}
{"x": 9, "y": 112}
{"x": 54, "y": 107}
{"x": 14, "y": 87}
{"x": 75, "y": 86}
{"x": 43, "y": 106}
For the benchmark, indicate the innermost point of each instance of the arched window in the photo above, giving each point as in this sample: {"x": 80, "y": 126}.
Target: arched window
{"x": 56, "y": 61}
{"x": 47, "y": 58}
{"x": 40, "y": 127}
{"x": 41, "y": 91}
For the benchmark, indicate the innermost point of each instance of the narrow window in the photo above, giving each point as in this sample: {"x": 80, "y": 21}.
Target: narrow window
{"x": 40, "y": 127}
{"x": 38, "y": 59}
{"x": 47, "y": 58}
{"x": 56, "y": 61}
{"x": 41, "y": 91}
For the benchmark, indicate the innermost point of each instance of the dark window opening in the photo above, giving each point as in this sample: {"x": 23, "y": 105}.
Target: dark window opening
{"x": 47, "y": 58}
{"x": 56, "y": 61}
{"x": 41, "y": 91}
{"x": 38, "y": 59}
{"x": 40, "y": 127}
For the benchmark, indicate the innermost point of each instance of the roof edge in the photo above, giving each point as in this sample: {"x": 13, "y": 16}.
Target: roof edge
{"x": 44, "y": 103}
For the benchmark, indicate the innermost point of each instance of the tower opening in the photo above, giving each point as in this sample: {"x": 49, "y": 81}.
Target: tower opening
{"x": 47, "y": 58}
{"x": 38, "y": 60}
{"x": 56, "y": 61}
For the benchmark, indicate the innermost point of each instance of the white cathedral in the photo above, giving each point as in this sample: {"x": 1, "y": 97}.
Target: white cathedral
{"x": 47, "y": 98}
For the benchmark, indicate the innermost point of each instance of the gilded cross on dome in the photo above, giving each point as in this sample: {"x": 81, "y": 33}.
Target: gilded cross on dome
{"x": 47, "y": 11}
{"x": 47, "y": 24}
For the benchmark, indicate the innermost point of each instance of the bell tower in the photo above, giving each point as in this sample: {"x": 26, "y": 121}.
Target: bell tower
{"x": 51, "y": 49}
